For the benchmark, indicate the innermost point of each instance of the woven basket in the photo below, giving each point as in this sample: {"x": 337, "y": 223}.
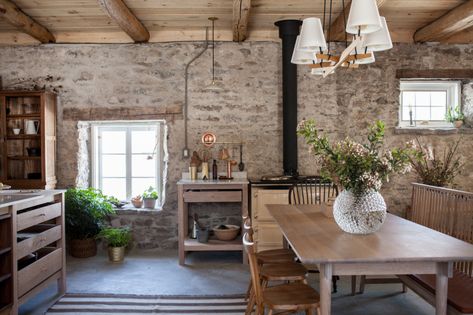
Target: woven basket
{"x": 83, "y": 248}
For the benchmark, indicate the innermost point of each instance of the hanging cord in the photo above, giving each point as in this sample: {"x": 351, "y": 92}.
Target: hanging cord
{"x": 213, "y": 51}
{"x": 329, "y": 26}
{"x": 345, "y": 24}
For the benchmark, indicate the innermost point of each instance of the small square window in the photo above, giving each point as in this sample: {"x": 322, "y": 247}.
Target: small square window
{"x": 425, "y": 103}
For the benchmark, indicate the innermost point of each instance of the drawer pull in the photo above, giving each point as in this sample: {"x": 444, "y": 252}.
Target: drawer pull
{"x": 41, "y": 215}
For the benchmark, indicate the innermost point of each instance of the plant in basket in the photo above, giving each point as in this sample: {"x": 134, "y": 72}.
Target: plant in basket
{"x": 85, "y": 214}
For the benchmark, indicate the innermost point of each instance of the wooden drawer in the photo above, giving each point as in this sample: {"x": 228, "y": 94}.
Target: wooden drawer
{"x": 213, "y": 196}
{"x": 41, "y": 235}
{"x": 268, "y": 235}
{"x": 49, "y": 262}
{"x": 37, "y": 216}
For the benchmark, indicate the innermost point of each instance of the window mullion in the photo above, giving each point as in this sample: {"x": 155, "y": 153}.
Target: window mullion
{"x": 158, "y": 159}
{"x": 100, "y": 158}
{"x": 128, "y": 163}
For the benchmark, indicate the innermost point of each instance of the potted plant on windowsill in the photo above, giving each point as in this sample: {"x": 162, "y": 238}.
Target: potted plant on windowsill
{"x": 455, "y": 116}
{"x": 86, "y": 211}
{"x": 117, "y": 240}
{"x": 150, "y": 196}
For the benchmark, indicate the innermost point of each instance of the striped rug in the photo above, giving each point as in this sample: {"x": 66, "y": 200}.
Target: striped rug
{"x": 98, "y": 304}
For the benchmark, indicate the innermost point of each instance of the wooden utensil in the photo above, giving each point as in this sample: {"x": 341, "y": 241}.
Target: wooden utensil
{"x": 241, "y": 165}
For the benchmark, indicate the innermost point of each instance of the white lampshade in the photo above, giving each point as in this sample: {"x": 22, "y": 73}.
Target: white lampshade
{"x": 364, "y": 17}
{"x": 380, "y": 40}
{"x": 365, "y": 61}
{"x": 302, "y": 57}
{"x": 312, "y": 35}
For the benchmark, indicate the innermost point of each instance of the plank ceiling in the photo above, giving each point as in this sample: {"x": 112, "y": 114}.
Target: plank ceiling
{"x": 84, "y": 21}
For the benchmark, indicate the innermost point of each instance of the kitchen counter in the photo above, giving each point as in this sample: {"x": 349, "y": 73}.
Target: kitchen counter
{"x": 15, "y": 197}
{"x": 236, "y": 181}
{"x": 32, "y": 245}
{"x": 203, "y": 191}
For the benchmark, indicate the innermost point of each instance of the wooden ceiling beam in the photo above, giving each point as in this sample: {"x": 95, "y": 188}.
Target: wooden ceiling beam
{"x": 13, "y": 15}
{"x": 241, "y": 14}
{"x": 128, "y": 22}
{"x": 337, "y": 30}
{"x": 454, "y": 21}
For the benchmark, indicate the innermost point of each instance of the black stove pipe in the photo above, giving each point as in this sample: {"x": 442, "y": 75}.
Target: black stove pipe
{"x": 288, "y": 31}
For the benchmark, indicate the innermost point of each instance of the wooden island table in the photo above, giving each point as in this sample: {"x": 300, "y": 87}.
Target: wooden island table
{"x": 400, "y": 247}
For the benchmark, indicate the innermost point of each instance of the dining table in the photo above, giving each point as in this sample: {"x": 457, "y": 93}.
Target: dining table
{"x": 399, "y": 247}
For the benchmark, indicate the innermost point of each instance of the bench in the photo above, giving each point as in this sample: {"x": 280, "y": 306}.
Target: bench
{"x": 451, "y": 212}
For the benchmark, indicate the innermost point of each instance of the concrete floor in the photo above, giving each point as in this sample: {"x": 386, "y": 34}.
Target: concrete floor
{"x": 158, "y": 273}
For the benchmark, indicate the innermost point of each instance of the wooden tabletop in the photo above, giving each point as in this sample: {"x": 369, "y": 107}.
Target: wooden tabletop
{"x": 316, "y": 238}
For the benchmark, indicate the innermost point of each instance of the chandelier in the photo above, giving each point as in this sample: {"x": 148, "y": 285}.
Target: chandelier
{"x": 368, "y": 31}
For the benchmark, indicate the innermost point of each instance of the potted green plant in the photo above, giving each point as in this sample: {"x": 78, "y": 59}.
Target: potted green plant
{"x": 150, "y": 196}
{"x": 455, "y": 116}
{"x": 433, "y": 168}
{"x": 117, "y": 240}
{"x": 86, "y": 211}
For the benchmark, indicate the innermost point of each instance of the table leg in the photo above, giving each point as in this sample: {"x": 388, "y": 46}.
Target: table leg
{"x": 325, "y": 288}
{"x": 441, "y": 289}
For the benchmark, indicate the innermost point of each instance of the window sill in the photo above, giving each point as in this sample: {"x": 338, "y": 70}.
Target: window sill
{"x": 138, "y": 211}
{"x": 431, "y": 131}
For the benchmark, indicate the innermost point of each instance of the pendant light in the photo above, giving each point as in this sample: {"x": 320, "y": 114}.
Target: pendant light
{"x": 363, "y": 18}
{"x": 380, "y": 40}
{"x": 214, "y": 85}
{"x": 312, "y": 35}
{"x": 368, "y": 30}
{"x": 302, "y": 57}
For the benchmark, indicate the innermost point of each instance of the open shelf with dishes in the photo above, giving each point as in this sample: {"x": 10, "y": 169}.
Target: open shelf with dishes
{"x": 28, "y": 139}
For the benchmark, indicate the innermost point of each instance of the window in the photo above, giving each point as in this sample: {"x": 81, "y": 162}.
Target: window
{"x": 128, "y": 158}
{"x": 425, "y": 103}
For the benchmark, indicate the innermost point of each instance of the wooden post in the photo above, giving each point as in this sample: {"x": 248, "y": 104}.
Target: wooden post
{"x": 183, "y": 221}
{"x": 325, "y": 288}
{"x": 441, "y": 289}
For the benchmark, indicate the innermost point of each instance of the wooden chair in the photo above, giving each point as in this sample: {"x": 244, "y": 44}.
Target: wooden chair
{"x": 312, "y": 191}
{"x": 316, "y": 191}
{"x": 451, "y": 212}
{"x": 291, "y": 297}
{"x": 275, "y": 265}
{"x": 270, "y": 256}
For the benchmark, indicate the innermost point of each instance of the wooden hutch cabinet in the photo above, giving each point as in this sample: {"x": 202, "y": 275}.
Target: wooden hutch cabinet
{"x": 28, "y": 139}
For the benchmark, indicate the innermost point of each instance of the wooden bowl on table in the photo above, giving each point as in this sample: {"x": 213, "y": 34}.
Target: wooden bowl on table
{"x": 226, "y": 232}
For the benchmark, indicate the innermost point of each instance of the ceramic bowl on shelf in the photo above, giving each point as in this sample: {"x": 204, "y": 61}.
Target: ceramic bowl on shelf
{"x": 226, "y": 232}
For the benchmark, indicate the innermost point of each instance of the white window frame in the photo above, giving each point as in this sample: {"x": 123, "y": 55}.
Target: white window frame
{"x": 453, "y": 89}
{"x": 127, "y": 126}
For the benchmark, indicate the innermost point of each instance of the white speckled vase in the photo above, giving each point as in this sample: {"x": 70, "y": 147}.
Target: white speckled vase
{"x": 364, "y": 214}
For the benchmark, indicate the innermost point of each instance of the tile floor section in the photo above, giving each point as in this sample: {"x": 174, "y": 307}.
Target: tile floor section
{"x": 158, "y": 273}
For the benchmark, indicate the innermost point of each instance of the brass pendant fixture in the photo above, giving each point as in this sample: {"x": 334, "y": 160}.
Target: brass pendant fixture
{"x": 214, "y": 85}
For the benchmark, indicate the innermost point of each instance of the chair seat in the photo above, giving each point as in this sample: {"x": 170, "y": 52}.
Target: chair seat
{"x": 460, "y": 289}
{"x": 283, "y": 272}
{"x": 274, "y": 256}
{"x": 292, "y": 296}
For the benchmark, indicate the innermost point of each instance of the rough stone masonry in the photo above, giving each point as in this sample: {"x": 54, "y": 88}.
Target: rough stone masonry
{"x": 146, "y": 81}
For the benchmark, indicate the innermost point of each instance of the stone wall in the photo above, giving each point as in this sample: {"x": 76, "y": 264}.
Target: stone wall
{"x": 146, "y": 81}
